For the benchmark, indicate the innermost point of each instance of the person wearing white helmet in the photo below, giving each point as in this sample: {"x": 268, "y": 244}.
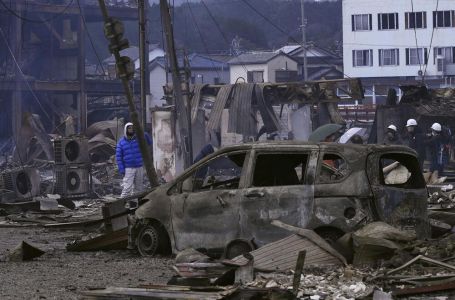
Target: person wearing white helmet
{"x": 392, "y": 137}
{"x": 415, "y": 139}
{"x": 435, "y": 144}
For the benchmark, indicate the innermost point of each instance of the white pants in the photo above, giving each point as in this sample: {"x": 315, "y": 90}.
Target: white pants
{"x": 133, "y": 181}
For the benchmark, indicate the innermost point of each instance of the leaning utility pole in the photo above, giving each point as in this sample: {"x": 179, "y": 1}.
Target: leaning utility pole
{"x": 114, "y": 30}
{"x": 182, "y": 108}
{"x": 305, "y": 67}
{"x": 143, "y": 60}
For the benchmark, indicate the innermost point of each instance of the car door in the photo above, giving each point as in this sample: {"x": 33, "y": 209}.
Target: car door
{"x": 400, "y": 194}
{"x": 280, "y": 187}
{"x": 205, "y": 210}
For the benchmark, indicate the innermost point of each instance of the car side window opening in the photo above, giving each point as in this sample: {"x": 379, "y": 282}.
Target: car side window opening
{"x": 222, "y": 172}
{"x": 400, "y": 170}
{"x": 333, "y": 168}
{"x": 279, "y": 169}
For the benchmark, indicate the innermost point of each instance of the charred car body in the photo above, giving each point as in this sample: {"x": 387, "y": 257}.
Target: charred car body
{"x": 228, "y": 200}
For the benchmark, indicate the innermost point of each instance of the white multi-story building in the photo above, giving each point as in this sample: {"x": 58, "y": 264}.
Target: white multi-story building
{"x": 402, "y": 39}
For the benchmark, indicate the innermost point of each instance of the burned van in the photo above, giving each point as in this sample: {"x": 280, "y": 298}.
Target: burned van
{"x": 229, "y": 199}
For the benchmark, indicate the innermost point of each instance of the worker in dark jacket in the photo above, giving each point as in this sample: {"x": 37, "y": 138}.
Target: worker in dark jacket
{"x": 129, "y": 161}
{"x": 392, "y": 137}
{"x": 435, "y": 143}
{"x": 416, "y": 140}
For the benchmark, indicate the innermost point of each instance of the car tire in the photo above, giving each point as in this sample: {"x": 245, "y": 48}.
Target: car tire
{"x": 148, "y": 240}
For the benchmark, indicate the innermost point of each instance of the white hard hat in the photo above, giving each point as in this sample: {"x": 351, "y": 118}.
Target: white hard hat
{"x": 436, "y": 127}
{"x": 411, "y": 122}
{"x": 392, "y": 127}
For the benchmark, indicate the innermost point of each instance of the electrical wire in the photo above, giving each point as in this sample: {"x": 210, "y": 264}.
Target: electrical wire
{"x": 222, "y": 32}
{"x": 23, "y": 76}
{"x": 431, "y": 43}
{"x": 202, "y": 38}
{"x": 11, "y": 11}
{"x": 415, "y": 36}
{"x": 91, "y": 40}
{"x": 284, "y": 32}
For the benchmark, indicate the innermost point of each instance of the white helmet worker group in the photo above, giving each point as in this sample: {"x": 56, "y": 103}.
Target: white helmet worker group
{"x": 412, "y": 122}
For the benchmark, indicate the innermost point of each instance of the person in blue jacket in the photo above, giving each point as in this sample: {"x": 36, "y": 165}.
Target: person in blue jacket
{"x": 129, "y": 161}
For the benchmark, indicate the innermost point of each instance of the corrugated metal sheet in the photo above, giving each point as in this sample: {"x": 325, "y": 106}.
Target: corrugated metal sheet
{"x": 282, "y": 255}
{"x": 268, "y": 115}
{"x": 241, "y": 117}
{"x": 217, "y": 110}
{"x": 197, "y": 93}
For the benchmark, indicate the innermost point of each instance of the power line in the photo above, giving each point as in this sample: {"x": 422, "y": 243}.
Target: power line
{"x": 91, "y": 40}
{"x": 201, "y": 37}
{"x": 23, "y": 75}
{"x": 11, "y": 11}
{"x": 222, "y": 32}
{"x": 415, "y": 35}
{"x": 284, "y": 32}
{"x": 431, "y": 43}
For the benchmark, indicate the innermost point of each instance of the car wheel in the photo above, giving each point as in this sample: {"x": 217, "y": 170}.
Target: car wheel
{"x": 148, "y": 240}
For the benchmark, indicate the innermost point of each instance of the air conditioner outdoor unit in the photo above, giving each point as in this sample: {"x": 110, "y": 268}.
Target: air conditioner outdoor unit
{"x": 24, "y": 183}
{"x": 71, "y": 150}
{"x": 72, "y": 181}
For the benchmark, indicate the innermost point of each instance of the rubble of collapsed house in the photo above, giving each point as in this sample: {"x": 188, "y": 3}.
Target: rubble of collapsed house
{"x": 377, "y": 261}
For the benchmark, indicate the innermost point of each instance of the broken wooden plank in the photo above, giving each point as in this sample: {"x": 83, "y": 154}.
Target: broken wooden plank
{"x": 110, "y": 241}
{"x": 422, "y": 258}
{"x": 298, "y": 272}
{"x": 158, "y": 292}
{"x": 425, "y": 289}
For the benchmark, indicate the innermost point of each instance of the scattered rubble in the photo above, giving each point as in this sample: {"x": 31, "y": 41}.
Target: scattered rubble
{"x": 24, "y": 251}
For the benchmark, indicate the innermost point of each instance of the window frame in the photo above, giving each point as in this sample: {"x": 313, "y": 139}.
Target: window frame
{"x": 445, "y": 14}
{"x": 257, "y": 153}
{"x": 395, "y": 53}
{"x": 354, "y": 22}
{"x": 176, "y": 188}
{"x": 408, "y": 19}
{"x": 381, "y": 23}
{"x": 450, "y": 49}
{"x": 319, "y": 166}
{"x": 250, "y": 76}
{"x": 420, "y": 62}
{"x": 370, "y": 58}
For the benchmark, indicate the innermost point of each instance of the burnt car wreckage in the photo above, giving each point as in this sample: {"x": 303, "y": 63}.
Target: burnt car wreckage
{"x": 226, "y": 202}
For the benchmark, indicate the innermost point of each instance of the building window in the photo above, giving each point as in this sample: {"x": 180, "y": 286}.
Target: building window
{"x": 362, "y": 58}
{"x": 255, "y": 76}
{"x": 415, "y": 20}
{"x": 361, "y": 22}
{"x": 443, "y": 19}
{"x": 416, "y": 56}
{"x": 387, "y": 21}
{"x": 389, "y": 57}
{"x": 216, "y": 80}
{"x": 444, "y": 54}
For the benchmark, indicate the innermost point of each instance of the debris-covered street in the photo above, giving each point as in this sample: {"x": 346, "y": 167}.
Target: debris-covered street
{"x": 60, "y": 274}
{"x": 236, "y": 150}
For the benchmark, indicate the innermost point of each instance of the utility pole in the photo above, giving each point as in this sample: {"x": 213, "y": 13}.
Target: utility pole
{"x": 305, "y": 67}
{"x": 179, "y": 89}
{"x": 143, "y": 60}
{"x": 114, "y": 30}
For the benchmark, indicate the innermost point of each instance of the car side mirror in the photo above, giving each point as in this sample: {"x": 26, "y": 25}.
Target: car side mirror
{"x": 187, "y": 185}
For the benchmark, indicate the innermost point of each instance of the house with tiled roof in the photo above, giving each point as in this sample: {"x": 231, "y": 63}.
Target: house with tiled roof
{"x": 257, "y": 67}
